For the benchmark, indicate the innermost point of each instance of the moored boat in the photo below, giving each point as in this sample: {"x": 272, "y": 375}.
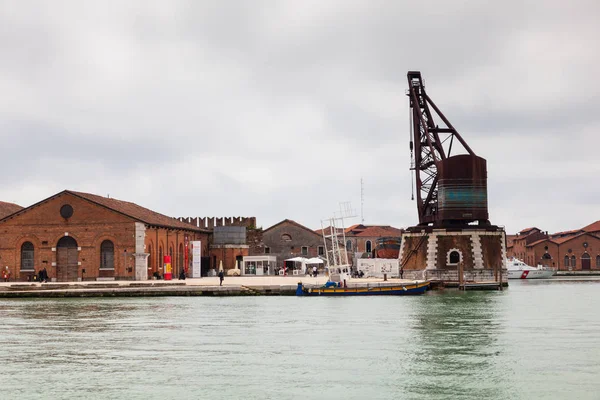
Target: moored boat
{"x": 413, "y": 288}
{"x": 517, "y": 269}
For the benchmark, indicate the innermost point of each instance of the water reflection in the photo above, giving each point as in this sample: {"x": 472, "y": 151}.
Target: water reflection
{"x": 457, "y": 350}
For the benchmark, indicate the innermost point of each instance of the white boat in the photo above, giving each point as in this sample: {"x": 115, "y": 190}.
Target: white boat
{"x": 517, "y": 269}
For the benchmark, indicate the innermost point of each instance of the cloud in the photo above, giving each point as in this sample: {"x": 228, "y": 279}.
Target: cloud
{"x": 278, "y": 109}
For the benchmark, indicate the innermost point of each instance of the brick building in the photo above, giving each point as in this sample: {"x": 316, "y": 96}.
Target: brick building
{"x": 289, "y": 239}
{"x": 84, "y": 236}
{"x": 230, "y": 240}
{"x": 8, "y": 208}
{"x": 574, "y": 250}
{"x": 362, "y": 238}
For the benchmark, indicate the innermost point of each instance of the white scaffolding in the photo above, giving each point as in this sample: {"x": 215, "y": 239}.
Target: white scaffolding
{"x": 333, "y": 229}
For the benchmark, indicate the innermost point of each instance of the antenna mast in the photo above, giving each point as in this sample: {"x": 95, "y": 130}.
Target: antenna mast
{"x": 362, "y": 201}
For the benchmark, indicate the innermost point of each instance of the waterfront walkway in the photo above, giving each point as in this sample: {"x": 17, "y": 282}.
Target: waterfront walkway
{"x": 208, "y": 286}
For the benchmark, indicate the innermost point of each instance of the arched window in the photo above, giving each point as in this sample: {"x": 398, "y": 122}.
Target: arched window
{"x": 161, "y": 259}
{"x": 573, "y": 261}
{"x": 547, "y": 256}
{"x": 171, "y": 253}
{"x": 27, "y": 253}
{"x": 597, "y": 261}
{"x": 107, "y": 255}
{"x": 286, "y": 238}
{"x": 368, "y": 246}
{"x": 454, "y": 257}
{"x": 566, "y": 261}
{"x": 180, "y": 257}
{"x": 150, "y": 259}
{"x": 349, "y": 245}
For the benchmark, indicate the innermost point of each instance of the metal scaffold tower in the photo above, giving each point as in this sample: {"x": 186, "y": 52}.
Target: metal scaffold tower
{"x": 334, "y": 232}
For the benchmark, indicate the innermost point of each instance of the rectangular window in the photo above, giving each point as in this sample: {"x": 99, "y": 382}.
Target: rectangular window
{"x": 267, "y": 250}
{"x": 321, "y": 251}
{"x": 304, "y": 250}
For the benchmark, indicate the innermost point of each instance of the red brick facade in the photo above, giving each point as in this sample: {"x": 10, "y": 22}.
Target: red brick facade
{"x": 575, "y": 250}
{"x": 31, "y": 239}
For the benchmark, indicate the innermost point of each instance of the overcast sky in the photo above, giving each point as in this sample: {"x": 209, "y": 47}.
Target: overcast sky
{"x": 277, "y": 109}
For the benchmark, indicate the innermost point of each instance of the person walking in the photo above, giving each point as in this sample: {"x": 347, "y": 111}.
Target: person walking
{"x": 6, "y": 274}
{"x": 44, "y": 275}
{"x": 315, "y": 271}
{"x": 221, "y": 277}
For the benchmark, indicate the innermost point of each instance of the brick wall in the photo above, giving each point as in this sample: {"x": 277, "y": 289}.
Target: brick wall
{"x": 89, "y": 225}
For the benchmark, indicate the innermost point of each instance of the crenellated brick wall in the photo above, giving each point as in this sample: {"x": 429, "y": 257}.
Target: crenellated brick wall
{"x": 211, "y": 222}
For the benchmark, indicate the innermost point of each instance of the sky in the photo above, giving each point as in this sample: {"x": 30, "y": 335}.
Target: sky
{"x": 278, "y": 109}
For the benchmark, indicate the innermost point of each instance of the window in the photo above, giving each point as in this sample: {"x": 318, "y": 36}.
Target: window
{"x": 27, "y": 253}
{"x": 368, "y": 246}
{"x": 573, "y": 261}
{"x": 180, "y": 258}
{"x": 566, "y": 261}
{"x": 598, "y": 261}
{"x": 160, "y": 257}
{"x": 304, "y": 250}
{"x": 454, "y": 257}
{"x": 150, "y": 259}
{"x": 349, "y": 245}
{"x": 286, "y": 238}
{"x": 107, "y": 255}
{"x": 321, "y": 250}
{"x": 267, "y": 250}
{"x": 547, "y": 256}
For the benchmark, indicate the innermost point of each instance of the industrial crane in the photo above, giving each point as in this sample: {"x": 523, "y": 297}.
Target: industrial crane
{"x": 451, "y": 190}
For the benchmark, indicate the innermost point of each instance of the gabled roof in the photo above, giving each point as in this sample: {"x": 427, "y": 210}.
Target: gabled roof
{"x": 292, "y": 222}
{"x": 560, "y": 240}
{"x": 126, "y": 208}
{"x": 567, "y": 238}
{"x": 593, "y": 227}
{"x": 527, "y": 231}
{"x": 327, "y": 230}
{"x": 540, "y": 241}
{"x": 356, "y": 228}
{"x": 380, "y": 231}
{"x": 566, "y": 233}
{"x": 8, "y": 209}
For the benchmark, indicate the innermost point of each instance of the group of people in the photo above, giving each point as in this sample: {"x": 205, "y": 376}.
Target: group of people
{"x": 40, "y": 276}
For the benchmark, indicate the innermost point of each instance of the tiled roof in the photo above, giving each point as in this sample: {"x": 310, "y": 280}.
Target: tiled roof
{"x": 527, "y": 230}
{"x": 137, "y": 212}
{"x": 539, "y": 241}
{"x": 380, "y": 231}
{"x": 558, "y": 240}
{"x": 339, "y": 231}
{"x": 566, "y": 233}
{"x": 356, "y": 227}
{"x": 292, "y": 222}
{"x": 594, "y": 227}
{"x": 567, "y": 238}
{"x": 8, "y": 208}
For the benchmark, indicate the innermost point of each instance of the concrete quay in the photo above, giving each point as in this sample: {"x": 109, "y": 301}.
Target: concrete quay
{"x": 209, "y": 286}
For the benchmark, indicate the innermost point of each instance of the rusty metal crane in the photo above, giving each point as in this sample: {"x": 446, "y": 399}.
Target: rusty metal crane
{"x": 451, "y": 189}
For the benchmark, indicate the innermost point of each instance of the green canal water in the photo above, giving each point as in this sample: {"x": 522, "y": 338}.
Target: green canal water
{"x": 536, "y": 340}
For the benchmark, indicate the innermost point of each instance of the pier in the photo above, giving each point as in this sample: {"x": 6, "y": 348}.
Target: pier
{"x": 232, "y": 286}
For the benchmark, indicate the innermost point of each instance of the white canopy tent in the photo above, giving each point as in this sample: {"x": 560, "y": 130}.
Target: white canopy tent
{"x": 315, "y": 260}
{"x": 302, "y": 262}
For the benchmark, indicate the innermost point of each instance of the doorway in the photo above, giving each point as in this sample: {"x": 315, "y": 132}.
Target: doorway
{"x": 586, "y": 261}
{"x": 67, "y": 257}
